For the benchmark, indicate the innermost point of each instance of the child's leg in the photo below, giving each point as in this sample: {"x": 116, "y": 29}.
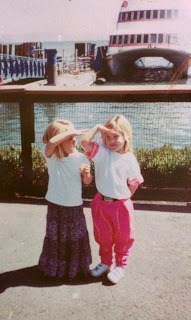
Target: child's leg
{"x": 48, "y": 261}
{"x": 103, "y": 231}
{"x": 124, "y": 232}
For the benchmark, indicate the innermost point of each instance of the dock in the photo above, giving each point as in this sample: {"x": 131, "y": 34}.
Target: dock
{"x": 69, "y": 80}
{"x": 82, "y": 85}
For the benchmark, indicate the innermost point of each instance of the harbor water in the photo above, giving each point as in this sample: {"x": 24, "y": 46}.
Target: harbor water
{"x": 154, "y": 124}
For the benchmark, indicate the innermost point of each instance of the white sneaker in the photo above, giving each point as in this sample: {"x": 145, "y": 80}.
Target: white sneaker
{"x": 100, "y": 270}
{"x": 116, "y": 274}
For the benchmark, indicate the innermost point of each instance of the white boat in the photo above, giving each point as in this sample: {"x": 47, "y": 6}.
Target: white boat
{"x": 148, "y": 35}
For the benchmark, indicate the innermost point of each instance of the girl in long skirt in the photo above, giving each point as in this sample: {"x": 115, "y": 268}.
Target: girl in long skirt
{"x": 66, "y": 250}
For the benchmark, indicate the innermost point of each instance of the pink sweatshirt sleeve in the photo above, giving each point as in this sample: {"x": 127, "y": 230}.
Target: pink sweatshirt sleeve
{"x": 136, "y": 181}
{"x": 92, "y": 153}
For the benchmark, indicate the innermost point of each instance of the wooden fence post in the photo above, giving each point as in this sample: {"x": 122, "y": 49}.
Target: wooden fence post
{"x": 27, "y": 137}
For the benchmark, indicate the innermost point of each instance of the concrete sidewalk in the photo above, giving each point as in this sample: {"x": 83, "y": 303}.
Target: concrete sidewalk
{"x": 157, "y": 284}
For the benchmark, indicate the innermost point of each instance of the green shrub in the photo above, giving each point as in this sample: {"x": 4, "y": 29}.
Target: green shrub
{"x": 39, "y": 173}
{"x": 165, "y": 167}
{"x": 161, "y": 168}
{"x": 10, "y": 169}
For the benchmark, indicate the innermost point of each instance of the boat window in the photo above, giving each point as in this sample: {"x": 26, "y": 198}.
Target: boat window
{"x": 114, "y": 39}
{"x": 162, "y": 14}
{"x": 132, "y": 39}
{"x": 146, "y": 38}
{"x": 135, "y": 15}
{"x": 148, "y": 14}
{"x": 110, "y": 41}
{"x": 160, "y": 38}
{"x": 139, "y": 38}
{"x": 123, "y": 16}
{"x": 169, "y": 14}
{"x": 155, "y": 14}
{"x": 120, "y": 39}
{"x": 126, "y": 16}
{"x": 141, "y": 15}
{"x": 153, "y": 38}
{"x": 126, "y": 39}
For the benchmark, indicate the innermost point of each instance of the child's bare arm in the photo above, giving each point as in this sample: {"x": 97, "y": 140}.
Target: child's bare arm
{"x": 59, "y": 138}
{"x": 86, "y": 174}
{"x": 132, "y": 189}
{"x": 86, "y": 142}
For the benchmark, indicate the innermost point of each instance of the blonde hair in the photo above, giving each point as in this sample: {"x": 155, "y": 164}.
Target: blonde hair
{"x": 55, "y": 128}
{"x": 120, "y": 123}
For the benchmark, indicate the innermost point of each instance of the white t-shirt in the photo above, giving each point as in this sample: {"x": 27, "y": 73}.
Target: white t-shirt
{"x": 65, "y": 183}
{"x": 114, "y": 171}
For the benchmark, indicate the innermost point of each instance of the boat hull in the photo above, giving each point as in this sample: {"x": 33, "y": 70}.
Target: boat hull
{"x": 122, "y": 63}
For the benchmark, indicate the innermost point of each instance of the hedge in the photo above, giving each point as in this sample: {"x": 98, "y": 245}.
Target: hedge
{"x": 161, "y": 168}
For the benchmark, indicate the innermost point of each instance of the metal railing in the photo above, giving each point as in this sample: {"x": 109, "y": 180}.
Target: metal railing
{"x": 21, "y": 67}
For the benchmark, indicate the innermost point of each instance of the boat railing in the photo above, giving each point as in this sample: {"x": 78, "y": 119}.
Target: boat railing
{"x": 12, "y": 66}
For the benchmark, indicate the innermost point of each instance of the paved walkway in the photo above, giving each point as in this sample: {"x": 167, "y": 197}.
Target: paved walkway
{"x": 157, "y": 284}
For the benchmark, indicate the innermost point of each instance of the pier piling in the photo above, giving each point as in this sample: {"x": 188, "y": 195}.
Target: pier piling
{"x": 51, "y": 66}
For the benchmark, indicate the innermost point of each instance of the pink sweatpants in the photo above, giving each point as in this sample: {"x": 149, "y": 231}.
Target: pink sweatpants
{"x": 113, "y": 227}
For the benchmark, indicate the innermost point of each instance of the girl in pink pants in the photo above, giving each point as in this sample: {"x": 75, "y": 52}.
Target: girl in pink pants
{"x": 113, "y": 226}
{"x": 117, "y": 176}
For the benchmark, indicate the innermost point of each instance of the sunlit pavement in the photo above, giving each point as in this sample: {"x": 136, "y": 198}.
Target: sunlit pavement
{"x": 156, "y": 284}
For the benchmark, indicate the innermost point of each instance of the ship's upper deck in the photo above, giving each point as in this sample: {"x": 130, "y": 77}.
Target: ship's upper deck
{"x": 148, "y": 22}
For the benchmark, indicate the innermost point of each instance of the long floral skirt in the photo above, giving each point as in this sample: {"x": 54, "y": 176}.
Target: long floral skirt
{"x": 66, "y": 249}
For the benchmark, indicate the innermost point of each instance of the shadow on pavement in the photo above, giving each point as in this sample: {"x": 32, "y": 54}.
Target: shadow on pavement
{"x": 149, "y": 206}
{"x": 32, "y": 277}
{"x": 180, "y": 208}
